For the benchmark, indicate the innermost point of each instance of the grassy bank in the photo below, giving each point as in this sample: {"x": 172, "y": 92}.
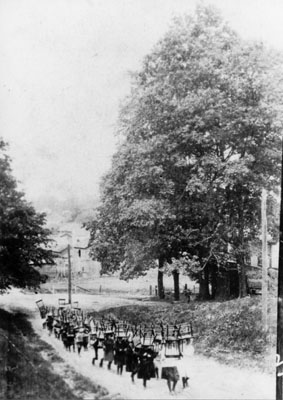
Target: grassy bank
{"x": 31, "y": 369}
{"x": 229, "y": 331}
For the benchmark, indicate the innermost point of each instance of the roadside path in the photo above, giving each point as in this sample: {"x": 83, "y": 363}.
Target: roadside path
{"x": 208, "y": 380}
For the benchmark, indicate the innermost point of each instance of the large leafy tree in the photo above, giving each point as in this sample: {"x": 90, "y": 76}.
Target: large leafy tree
{"x": 201, "y": 133}
{"x": 23, "y": 238}
{"x": 128, "y": 230}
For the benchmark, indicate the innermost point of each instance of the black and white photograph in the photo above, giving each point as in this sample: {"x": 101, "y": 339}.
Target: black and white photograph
{"x": 141, "y": 253}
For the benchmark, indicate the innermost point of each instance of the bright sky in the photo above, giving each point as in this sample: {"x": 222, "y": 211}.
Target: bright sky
{"x": 64, "y": 70}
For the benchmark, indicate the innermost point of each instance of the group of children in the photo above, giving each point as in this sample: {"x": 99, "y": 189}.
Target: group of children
{"x": 163, "y": 356}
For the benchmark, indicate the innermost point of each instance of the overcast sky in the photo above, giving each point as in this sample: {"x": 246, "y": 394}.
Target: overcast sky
{"x": 64, "y": 70}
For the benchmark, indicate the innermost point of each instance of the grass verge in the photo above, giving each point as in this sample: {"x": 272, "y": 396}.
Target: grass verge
{"x": 31, "y": 369}
{"x": 230, "y": 331}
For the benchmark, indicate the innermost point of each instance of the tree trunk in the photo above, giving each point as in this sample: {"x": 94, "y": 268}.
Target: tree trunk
{"x": 160, "y": 285}
{"x": 242, "y": 278}
{"x": 223, "y": 286}
{"x": 176, "y": 285}
{"x": 233, "y": 283}
{"x": 213, "y": 278}
{"x": 240, "y": 258}
{"x": 203, "y": 285}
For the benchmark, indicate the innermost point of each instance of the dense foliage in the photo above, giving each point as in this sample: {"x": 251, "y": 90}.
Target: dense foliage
{"x": 23, "y": 238}
{"x": 201, "y": 137}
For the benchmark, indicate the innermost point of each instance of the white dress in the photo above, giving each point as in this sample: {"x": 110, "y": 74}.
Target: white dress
{"x": 183, "y": 364}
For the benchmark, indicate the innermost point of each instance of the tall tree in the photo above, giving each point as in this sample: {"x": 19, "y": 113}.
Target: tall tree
{"x": 201, "y": 137}
{"x": 128, "y": 229}
{"x": 23, "y": 238}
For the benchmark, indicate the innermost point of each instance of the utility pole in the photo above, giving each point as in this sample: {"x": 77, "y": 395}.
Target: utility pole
{"x": 279, "y": 375}
{"x": 264, "y": 284}
{"x": 69, "y": 275}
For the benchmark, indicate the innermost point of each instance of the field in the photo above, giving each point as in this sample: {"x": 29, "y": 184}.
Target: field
{"x": 141, "y": 286}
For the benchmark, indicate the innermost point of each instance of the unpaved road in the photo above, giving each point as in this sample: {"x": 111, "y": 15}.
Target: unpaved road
{"x": 208, "y": 380}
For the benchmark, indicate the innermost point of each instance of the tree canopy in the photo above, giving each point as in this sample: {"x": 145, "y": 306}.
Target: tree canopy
{"x": 23, "y": 238}
{"x": 201, "y": 136}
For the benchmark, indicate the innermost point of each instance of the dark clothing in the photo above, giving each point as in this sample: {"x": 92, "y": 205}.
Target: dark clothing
{"x": 95, "y": 344}
{"x": 109, "y": 350}
{"x": 170, "y": 373}
{"x": 146, "y": 369}
{"x": 49, "y": 323}
{"x": 129, "y": 359}
{"x": 120, "y": 352}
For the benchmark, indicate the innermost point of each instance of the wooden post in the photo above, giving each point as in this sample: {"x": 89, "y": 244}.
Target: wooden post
{"x": 150, "y": 290}
{"x": 160, "y": 285}
{"x": 176, "y": 285}
{"x": 264, "y": 284}
{"x": 279, "y": 379}
{"x": 69, "y": 275}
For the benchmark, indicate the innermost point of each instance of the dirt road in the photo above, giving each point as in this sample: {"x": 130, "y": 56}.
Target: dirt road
{"x": 208, "y": 380}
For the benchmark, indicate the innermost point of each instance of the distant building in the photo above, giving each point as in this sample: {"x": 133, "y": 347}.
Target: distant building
{"x": 81, "y": 263}
{"x": 272, "y": 253}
